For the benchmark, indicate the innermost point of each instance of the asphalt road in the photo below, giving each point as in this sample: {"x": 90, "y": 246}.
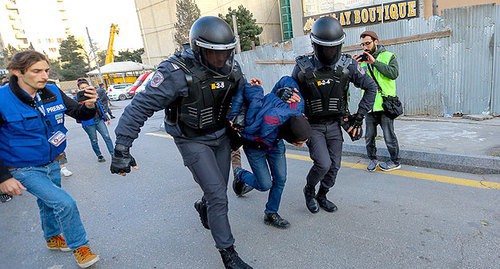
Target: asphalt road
{"x": 147, "y": 219}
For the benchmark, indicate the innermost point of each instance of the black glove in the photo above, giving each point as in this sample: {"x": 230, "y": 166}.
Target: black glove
{"x": 122, "y": 160}
{"x": 235, "y": 139}
{"x": 355, "y": 121}
{"x": 285, "y": 93}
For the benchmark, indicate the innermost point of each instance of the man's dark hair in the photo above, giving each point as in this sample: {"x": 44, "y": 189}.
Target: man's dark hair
{"x": 23, "y": 60}
{"x": 81, "y": 81}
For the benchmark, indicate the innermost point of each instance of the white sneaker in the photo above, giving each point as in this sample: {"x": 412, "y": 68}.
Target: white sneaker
{"x": 65, "y": 172}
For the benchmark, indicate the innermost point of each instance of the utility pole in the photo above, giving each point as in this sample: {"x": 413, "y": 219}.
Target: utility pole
{"x": 434, "y": 7}
{"x": 93, "y": 50}
{"x": 235, "y": 30}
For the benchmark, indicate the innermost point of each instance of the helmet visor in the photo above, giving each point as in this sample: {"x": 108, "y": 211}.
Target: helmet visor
{"x": 328, "y": 55}
{"x": 220, "y": 62}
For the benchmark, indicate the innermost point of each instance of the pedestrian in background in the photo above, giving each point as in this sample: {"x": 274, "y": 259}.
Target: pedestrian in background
{"x": 323, "y": 80}
{"x": 64, "y": 170}
{"x": 196, "y": 117}
{"x": 4, "y": 80}
{"x": 97, "y": 124}
{"x": 103, "y": 97}
{"x": 32, "y": 139}
{"x": 382, "y": 66}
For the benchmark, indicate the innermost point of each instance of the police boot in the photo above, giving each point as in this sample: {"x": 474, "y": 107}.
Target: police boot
{"x": 324, "y": 203}
{"x": 311, "y": 203}
{"x": 231, "y": 259}
{"x": 201, "y": 207}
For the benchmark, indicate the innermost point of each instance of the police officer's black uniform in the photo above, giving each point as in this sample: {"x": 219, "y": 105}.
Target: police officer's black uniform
{"x": 324, "y": 82}
{"x": 196, "y": 97}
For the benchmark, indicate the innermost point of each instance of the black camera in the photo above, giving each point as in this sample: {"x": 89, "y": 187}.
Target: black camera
{"x": 80, "y": 96}
{"x": 363, "y": 57}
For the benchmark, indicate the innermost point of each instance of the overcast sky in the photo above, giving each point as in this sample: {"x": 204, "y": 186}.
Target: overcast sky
{"x": 98, "y": 15}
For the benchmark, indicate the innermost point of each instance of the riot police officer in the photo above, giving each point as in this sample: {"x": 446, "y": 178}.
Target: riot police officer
{"x": 195, "y": 87}
{"x": 323, "y": 80}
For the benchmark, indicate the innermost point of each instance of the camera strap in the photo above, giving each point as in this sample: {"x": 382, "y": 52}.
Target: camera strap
{"x": 370, "y": 68}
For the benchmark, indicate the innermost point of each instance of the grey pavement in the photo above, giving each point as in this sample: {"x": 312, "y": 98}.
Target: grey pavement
{"x": 468, "y": 144}
{"x": 147, "y": 220}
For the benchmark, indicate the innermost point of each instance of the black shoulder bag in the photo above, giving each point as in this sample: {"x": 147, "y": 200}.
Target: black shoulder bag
{"x": 391, "y": 104}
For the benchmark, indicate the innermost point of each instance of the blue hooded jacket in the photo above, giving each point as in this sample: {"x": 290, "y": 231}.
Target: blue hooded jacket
{"x": 266, "y": 113}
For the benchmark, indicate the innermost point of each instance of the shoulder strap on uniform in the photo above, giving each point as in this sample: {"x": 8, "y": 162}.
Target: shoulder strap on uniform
{"x": 342, "y": 64}
{"x": 183, "y": 63}
{"x": 236, "y": 75}
{"x": 306, "y": 66}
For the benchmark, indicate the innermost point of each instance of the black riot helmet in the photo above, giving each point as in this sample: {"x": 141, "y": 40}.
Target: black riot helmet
{"x": 213, "y": 42}
{"x": 327, "y": 37}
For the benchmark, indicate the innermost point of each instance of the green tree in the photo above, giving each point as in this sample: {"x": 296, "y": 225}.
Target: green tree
{"x": 55, "y": 69}
{"x": 126, "y": 55}
{"x": 72, "y": 60}
{"x": 7, "y": 54}
{"x": 187, "y": 13}
{"x": 101, "y": 55}
{"x": 248, "y": 30}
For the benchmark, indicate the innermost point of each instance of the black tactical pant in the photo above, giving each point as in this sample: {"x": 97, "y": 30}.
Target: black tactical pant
{"x": 209, "y": 162}
{"x": 325, "y": 149}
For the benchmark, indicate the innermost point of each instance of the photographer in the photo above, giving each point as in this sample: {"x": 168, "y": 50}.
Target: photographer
{"x": 96, "y": 124}
{"x": 382, "y": 66}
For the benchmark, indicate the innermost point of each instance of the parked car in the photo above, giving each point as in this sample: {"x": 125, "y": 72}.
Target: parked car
{"x": 138, "y": 82}
{"x": 119, "y": 92}
{"x": 143, "y": 85}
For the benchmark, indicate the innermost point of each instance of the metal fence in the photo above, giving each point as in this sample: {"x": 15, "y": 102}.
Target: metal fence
{"x": 440, "y": 74}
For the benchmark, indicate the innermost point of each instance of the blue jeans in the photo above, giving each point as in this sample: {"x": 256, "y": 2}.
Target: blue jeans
{"x": 58, "y": 211}
{"x": 261, "y": 179}
{"x": 91, "y": 130}
{"x": 391, "y": 141}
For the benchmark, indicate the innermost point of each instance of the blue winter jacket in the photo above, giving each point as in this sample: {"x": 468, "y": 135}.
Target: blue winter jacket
{"x": 266, "y": 113}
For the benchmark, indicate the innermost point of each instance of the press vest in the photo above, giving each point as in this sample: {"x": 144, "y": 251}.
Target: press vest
{"x": 25, "y": 132}
{"x": 388, "y": 85}
{"x": 205, "y": 108}
{"x": 324, "y": 91}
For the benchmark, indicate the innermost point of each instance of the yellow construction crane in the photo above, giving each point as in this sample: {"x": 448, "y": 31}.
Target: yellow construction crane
{"x": 110, "y": 56}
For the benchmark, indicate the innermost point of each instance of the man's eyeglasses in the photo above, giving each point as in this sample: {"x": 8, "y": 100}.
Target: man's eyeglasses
{"x": 367, "y": 43}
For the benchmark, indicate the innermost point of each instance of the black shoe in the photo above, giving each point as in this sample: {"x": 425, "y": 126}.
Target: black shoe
{"x": 201, "y": 207}
{"x": 240, "y": 187}
{"x": 309, "y": 194}
{"x": 324, "y": 203}
{"x": 5, "y": 197}
{"x": 100, "y": 159}
{"x": 231, "y": 259}
{"x": 274, "y": 219}
{"x": 113, "y": 117}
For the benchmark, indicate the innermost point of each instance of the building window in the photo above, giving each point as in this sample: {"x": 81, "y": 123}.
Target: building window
{"x": 286, "y": 20}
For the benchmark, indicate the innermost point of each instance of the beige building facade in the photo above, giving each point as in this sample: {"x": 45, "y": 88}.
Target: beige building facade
{"x": 19, "y": 29}
{"x": 445, "y": 4}
{"x": 157, "y": 19}
{"x": 12, "y": 31}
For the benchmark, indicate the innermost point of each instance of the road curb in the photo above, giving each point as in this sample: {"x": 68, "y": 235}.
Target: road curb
{"x": 438, "y": 160}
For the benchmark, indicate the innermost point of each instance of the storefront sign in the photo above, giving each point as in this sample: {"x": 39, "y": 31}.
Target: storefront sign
{"x": 368, "y": 15}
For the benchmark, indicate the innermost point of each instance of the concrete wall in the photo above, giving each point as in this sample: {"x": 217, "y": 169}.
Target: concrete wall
{"x": 446, "y": 4}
